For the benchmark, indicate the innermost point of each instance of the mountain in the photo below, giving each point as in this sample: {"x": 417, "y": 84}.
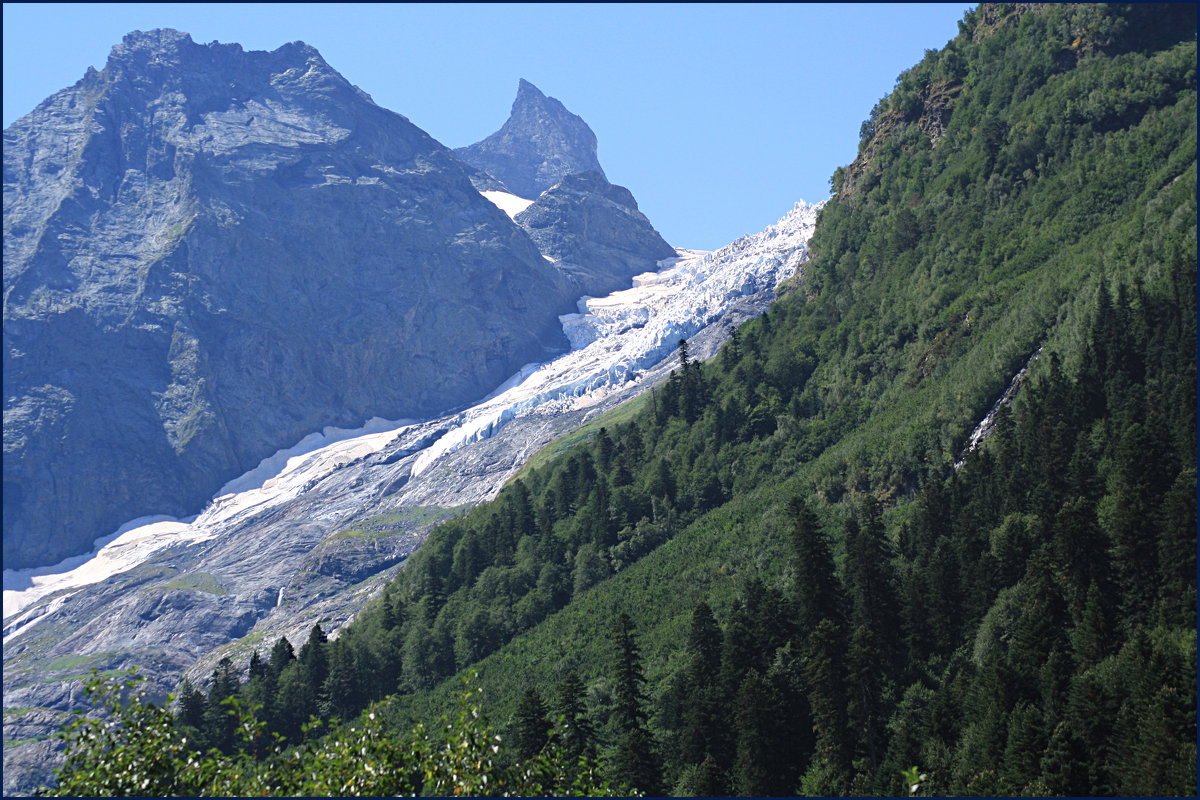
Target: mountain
{"x": 768, "y": 575}
{"x": 590, "y": 229}
{"x": 593, "y": 231}
{"x": 210, "y": 253}
{"x": 313, "y": 529}
{"x": 317, "y": 529}
{"x": 540, "y": 143}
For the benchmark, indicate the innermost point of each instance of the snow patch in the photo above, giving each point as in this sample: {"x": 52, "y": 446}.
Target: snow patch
{"x": 275, "y": 480}
{"x": 508, "y": 203}
{"x": 132, "y": 544}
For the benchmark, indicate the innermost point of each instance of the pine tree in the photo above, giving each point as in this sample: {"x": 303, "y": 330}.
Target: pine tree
{"x": 1023, "y": 753}
{"x": 875, "y": 651}
{"x": 1092, "y": 636}
{"x": 578, "y": 736}
{"x": 257, "y": 667}
{"x": 707, "y": 781}
{"x": 761, "y": 754}
{"x": 636, "y": 762}
{"x": 816, "y": 591}
{"x": 532, "y": 726}
{"x": 314, "y": 669}
{"x": 282, "y": 654}
{"x": 1080, "y": 551}
{"x": 703, "y": 728}
{"x": 824, "y": 671}
{"x": 343, "y": 691}
{"x": 219, "y": 722}
{"x": 1177, "y": 553}
{"x": 191, "y": 705}
{"x": 1060, "y": 765}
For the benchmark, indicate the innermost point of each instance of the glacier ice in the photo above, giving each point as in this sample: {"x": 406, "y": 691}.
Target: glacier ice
{"x": 614, "y": 340}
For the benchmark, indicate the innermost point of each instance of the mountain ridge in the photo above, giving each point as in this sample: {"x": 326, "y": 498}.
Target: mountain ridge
{"x": 153, "y": 211}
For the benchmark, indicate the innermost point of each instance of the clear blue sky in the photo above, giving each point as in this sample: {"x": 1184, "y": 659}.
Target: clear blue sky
{"x": 717, "y": 117}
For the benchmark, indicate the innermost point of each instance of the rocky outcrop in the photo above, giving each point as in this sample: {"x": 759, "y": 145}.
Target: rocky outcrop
{"x": 210, "y": 253}
{"x": 590, "y": 229}
{"x": 594, "y": 232}
{"x": 540, "y": 144}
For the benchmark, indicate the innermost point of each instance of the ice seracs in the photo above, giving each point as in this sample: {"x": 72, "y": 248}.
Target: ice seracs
{"x": 615, "y": 340}
{"x": 617, "y": 337}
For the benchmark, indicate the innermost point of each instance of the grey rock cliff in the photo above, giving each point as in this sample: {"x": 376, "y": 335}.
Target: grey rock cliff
{"x": 539, "y": 144}
{"x": 594, "y": 232}
{"x": 210, "y": 253}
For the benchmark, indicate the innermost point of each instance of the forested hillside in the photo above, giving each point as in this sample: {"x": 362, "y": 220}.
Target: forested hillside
{"x": 769, "y": 576}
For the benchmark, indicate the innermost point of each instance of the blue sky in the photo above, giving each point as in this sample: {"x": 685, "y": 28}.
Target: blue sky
{"x": 717, "y": 117}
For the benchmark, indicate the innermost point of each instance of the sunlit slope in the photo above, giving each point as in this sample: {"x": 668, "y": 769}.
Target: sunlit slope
{"x": 1005, "y": 179}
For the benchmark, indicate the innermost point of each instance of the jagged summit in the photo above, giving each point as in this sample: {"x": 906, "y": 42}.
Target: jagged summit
{"x": 539, "y": 144}
{"x": 210, "y": 252}
{"x": 166, "y": 41}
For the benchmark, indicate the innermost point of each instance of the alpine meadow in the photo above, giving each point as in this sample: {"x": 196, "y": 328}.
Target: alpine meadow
{"x": 926, "y": 526}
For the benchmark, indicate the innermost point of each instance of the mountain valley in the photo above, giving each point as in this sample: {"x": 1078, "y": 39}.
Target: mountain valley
{"x": 895, "y": 496}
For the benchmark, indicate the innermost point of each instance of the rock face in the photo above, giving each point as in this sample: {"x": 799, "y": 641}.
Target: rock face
{"x": 540, "y": 144}
{"x": 594, "y": 232}
{"x": 210, "y": 253}
{"x": 591, "y": 229}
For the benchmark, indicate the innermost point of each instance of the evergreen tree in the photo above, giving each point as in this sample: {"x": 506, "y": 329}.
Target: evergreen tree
{"x": 532, "y": 726}
{"x": 578, "y": 736}
{"x": 707, "y": 780}
{"x": 874, "y": 649}
{"x": 635, "y": 763}
{"x": 191, "y": 706}
{"x": 1026, "y": 745}
{"x": 761, "y": 751}
{"x": 824, "y": 670}
{"x": 816, "y": 591}
{"x": 314, "y": 669}
{"x": 703, "y": 730}
{"x": 282, "y": 654}
{"x": 219, "y": 722}
{"x": 342, "y": 693}
{"x": 1177, "y": 553}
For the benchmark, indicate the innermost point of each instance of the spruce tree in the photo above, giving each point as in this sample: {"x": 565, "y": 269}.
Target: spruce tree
{"x": 703, "y": 729}
{"x": 824, "y": 672}
{"x": 191, "y": 706}
{"x": 532, "y": 726}
{"x": 578, "y": 735}
{"x": 314, "y": 668}
{"x": 761, "y": 752}
{"x": 282, "y": 654}
{"x": 815, "y": 590}
{"x": 218, "y": 721}
{"x": 343, "y": 691}
{"x": 635, "y": 763}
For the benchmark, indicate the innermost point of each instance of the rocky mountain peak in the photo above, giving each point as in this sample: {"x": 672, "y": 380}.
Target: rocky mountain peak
{"x": 539, "y": 144}
{"x": 212, "y": 252}
{"x": 151, "y": 61}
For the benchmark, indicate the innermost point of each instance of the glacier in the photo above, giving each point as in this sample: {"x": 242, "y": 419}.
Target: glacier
{"x": 615, "y": 341}
{"x": 316, "y": 530}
